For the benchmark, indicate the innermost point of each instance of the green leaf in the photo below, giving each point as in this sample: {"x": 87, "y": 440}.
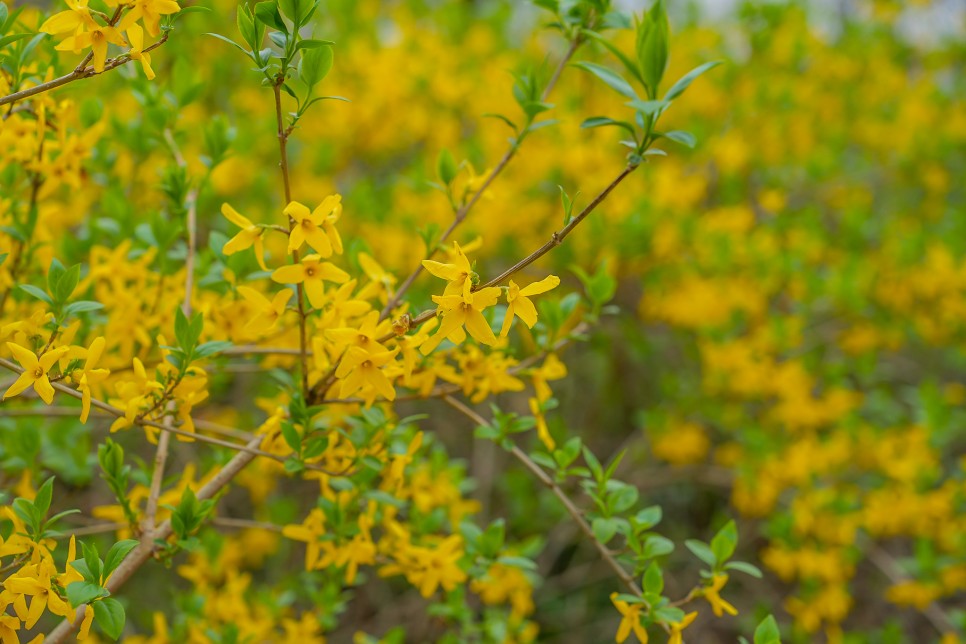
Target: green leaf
{"x": 648, "y": 108}
{"x": 36, "y": 292}
{"x": 83, "y": 592}
{"x": 684, "y": 138}
{"x": 605, "y": 121}
{"x": 66, "y": 284}
{"x": 701, "y": 551}
{"x": 613, "y": 80}
{"x": 724, "y": 543}
{"x": 4, "y": 12}
{"x": 685, "y": 81}
{"x": 446, "y": 167}
{"x": 43, "y": 497}
{"x": 315, "y": 64}
{"x": 292, "y": 437}
{"x": 652, "y": 46}
{"x": 605, "y": 529}
{"x": 767, "y": 632}
{"x": 117, "y": 553}
{"x": 211, "y": 348}
{"x": 648, "y": 517}
{"x": 629, "y": 65}
{"x": 745, "y": 567}
{"x": 312, "y": 43}
{"x": 109, "y": 615}
{"x": 82, "y": 306}
{"x": 654, "y": 579}
{"x": 12, "y": 38}
{"x": 657, "y": 546}
{"x": 231, "y": 42}
{"x": 267, "y": 13}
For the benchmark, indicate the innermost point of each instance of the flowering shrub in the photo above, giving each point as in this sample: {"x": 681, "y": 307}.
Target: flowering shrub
{"x": 355, "y": 321}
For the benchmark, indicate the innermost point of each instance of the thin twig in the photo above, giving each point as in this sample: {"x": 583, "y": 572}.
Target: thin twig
{"x": 462, "y": 213}
{"x": 565, "y": 500}
{"x": 82, "y": 71}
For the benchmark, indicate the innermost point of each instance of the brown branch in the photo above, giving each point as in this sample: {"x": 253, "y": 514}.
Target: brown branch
{"x": 283, "y": 164}
{"x": 82, "y": 71}
{"x": 565, "y": 500}
{"x": 557, "y": 238}
{"x": 462, "y": 213}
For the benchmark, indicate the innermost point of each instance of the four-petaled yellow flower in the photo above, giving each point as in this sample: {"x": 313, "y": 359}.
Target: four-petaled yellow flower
{"x": 90, "y": 376}
{"x": 136, "y": 37}
{"x": 310, "y": 273}
{"x": 74, "y": 20}
{"x": 460, "y": 310}
{"x": 718, "y": 605}
{"x": 459, "y": 274}
{"x": 96, "y": 37}
{"x": 267, "y": 313}
{"x": 678, "y": 627}
{"x": 150, "y": 12}
{"x": 317, "y": 227}
{"x": 250, "y": 235}
{"x": 359, "y": 368}
{"x": 520, "y": 306}
{"x": 631, "y": 620}
{"x": 34, "y": 371}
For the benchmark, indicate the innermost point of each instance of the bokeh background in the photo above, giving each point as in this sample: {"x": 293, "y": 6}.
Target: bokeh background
{"x": 785, "y": 342}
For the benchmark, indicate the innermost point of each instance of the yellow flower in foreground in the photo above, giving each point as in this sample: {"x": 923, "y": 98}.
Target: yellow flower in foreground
{"x": 97, "y": 39}
{"x": 150, "y": 12}
{"x": 136, "y": 36}
{"x": 250, "y": 235}
{"x": 75, "y": 19}
{"x": 520, "y": 306}
{"x": 678, "y": 627}
{"x": 359, "y": 368}
{"x": 459, "y": 310}
{"x": 310, "y": 273}
{"x": 631, "y": 620}
{"x": 34, "y": 371}
{"x": 718, "y": 605}
{"x": 543, "y": 432}
{"x": 459, "y": 274}
{"x": 316, "y": 227}
{"x": 90, "y": 376}
{"x": 267, "y": 313}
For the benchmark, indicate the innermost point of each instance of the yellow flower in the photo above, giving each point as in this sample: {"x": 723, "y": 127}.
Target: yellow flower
{"x": 519, "y": 305}
{"x": 310, "y": 273}
{"x": 76, "y": 19}
{"x": 718, "y": 605}
{"x": 316, "y": 227}
{"x": 543, "y": 432}
{"x": 459, "y": 274}
{"x": 150, "y": 11}
{"x": 97, "y": 39}
{"x": 250, "y": 235}
{"x": 136, "y": 36}
{"x": 34, "y": 371}
{"x": 678, "y": 627}
{"x": 267, "y": 313}
{"x": 359, "y": 368}
{"x": 462, "y": 310}
{"x": 90, "y": 376}
{"x": 631, "y": 620}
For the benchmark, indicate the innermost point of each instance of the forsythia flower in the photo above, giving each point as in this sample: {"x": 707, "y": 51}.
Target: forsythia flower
{"x": 520, "y": 306}
{"x": 90, "y": 376}
{"x": 310, "y": 273}
{"x": 97, "y": 39}
{"x": 631, "y": 620}
{"x": 718, "y": 605}
{"x": 459, "y": 274}
{"x": 678, "y": 627}
{"x": 359, "y": 368}
{"x": 76, "y": 19}
{"x": 34, "y": 371}
{"x": 267, "y": 313}
{"x": 463, "y": 309}
{"x": 543, "y": 432}
{"x": 250, "y": 235}
{"x": 136, "y": 37}
{"x": 150, "y": 12}
{"x": 316, "y": 227}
